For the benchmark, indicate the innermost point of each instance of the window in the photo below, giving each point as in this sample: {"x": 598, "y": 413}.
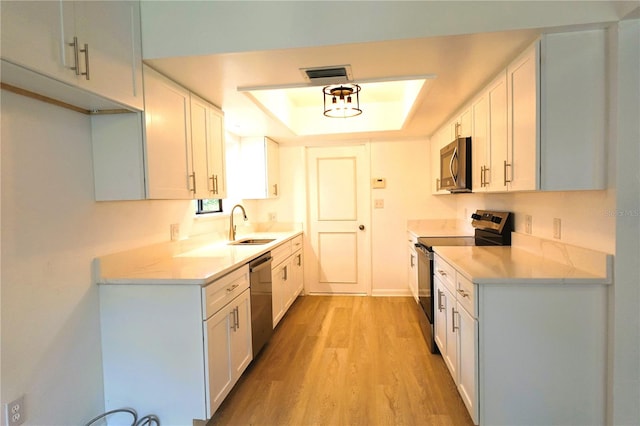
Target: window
{"x": 211, "y": 205}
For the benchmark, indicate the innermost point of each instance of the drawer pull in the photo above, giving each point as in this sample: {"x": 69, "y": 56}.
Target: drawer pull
{"x": 463, "y": 293}
{"x": 233, "y": 287}
{"x": 441, "y": 272}
{"x": 440, "y": 307}
{"x": 453, "y": 320}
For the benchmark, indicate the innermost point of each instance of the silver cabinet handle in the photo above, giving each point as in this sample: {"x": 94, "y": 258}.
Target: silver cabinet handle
{"x": 275, "y": 189}
{"x": 453, "y": 320}
{"x": 86, "y": 61}
{"x": 233, "y": 320}
{"x": 76, "y": 54}
{"x": 441, "y": 272}
{"x": 486, "y": 181}
{"x": 413, "y": 261}
{"x": 213, "y": 184}
{"x": 463, "y": 293}
{"x": 237, "y": 318}
{"x": 192, "y": 177}
{"x": 216, "y": 184}
{"x": 505, "y": 172}
{"x": 440, "y": 307}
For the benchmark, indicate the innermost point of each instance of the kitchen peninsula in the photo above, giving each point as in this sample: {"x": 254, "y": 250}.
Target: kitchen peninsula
{"x": 176, "y": 320}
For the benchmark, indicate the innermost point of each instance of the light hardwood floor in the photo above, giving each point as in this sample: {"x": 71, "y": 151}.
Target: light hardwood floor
{"x": 341, "y": 360}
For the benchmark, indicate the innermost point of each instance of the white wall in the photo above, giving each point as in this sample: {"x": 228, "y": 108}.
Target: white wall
{"x": 625, "y": 295}
{"x": 183, "y": 28}
{"x": 405, "y": 166}
{"x": 587, "y": 217}
{"x": 51, "y": 231}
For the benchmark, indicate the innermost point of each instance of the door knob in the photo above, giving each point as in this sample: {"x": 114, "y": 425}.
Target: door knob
{"x": 361, "y": 227}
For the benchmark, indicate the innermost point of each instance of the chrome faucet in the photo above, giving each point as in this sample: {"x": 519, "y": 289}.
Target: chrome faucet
{"x": 232, "y": 227}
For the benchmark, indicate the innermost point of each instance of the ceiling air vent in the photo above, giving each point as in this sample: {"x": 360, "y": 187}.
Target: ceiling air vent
{"x": 327, "y": 75}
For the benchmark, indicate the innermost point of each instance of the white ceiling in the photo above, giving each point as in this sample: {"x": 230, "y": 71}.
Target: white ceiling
{"x": 461, "y": 65}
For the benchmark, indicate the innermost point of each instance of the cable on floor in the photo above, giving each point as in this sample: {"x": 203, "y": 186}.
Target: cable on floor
{"x": 148, "y": 420}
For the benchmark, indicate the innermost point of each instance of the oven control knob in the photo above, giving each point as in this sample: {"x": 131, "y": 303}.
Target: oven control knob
{"x": 476, "y": 216}
{"x": 496, "y": 219}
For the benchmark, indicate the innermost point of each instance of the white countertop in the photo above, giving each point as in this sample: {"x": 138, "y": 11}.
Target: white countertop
{"x": 529, "y": 260}
{"x": 182, "y": 262}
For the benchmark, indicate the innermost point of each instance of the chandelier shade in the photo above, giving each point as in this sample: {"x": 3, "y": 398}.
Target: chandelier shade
{"x": 341, "y": 101}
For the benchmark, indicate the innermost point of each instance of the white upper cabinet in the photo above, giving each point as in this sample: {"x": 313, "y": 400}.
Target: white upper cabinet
{"x": 168, "y": 138}
{"x": 522, "y": 161}
{"x": 541, "y": 123}
{"x": 207, "y": 172}
{"x": 573, "y": 113}
{"x": 176, "y": 152}
{"x": 494, "y": 173}
{"x": 259, "y": 157}
{"x": 94, "y": 46}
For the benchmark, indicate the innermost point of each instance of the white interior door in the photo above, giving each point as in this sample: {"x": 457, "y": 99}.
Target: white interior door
{"x": 338, "y": 206}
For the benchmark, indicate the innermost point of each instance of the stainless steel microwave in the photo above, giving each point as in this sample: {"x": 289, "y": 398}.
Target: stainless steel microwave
{"x": 455, "y": 166}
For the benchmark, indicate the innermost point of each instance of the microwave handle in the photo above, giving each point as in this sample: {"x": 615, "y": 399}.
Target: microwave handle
{"x": 454, "y": 176}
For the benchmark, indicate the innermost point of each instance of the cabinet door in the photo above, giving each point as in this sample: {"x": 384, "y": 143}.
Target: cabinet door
{"x": 260, "y": 159}
{"x": 467, "y": 362}
{"x": 413, "y": 271}
{"x": 216, "y": 155}
{"x": 241, "y": 348}
{"x": 273, "y": 169}
{"x": 279, "y": 283}
{"x": 221, "y": 376}
{"x": 35, "y": 34}
{"x": 497, "y": 96}
{"x": 167, "y": 115}
{"x": 297, "y": 274}
{"x": 198, "y": 168}
{"x": 113, "y": 63}
{"x": 450, "y": 354}
{"x": 523, "y": 96}
{"x": 480, "y": 149}
{"x": 440, "y": 317}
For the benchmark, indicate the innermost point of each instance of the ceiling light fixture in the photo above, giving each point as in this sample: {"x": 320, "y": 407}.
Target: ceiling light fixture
{"x": 342, "y": 101}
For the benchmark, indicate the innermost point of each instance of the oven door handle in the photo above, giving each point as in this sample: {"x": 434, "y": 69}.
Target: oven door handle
{"x": 424, "y": 251}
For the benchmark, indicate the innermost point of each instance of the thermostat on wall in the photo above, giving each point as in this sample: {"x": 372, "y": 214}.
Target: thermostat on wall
{"x": 379, "y": 183}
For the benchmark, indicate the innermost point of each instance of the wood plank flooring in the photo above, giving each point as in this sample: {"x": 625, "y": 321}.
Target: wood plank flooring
{"x": 341, "y": 360}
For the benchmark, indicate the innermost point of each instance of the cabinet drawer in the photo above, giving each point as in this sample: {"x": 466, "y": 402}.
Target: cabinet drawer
{"x": 465, "y": 294}
{"x": 280, "y": 253}
{"x": 223, "y": 290}
{"x": 296, "y": 243}
{"x": 445, "y": 272}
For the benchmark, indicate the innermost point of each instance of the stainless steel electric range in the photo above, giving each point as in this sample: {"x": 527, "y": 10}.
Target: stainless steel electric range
{"x": 491, "y": 228}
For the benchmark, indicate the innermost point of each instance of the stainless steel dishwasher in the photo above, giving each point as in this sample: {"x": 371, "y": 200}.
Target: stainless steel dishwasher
{"x": 261, "y": 303}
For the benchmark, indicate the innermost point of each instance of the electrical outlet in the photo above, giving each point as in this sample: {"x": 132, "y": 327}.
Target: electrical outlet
{"x": 15, "y": 412}
{"x": 378, "y": 203}
{"x": 557, "y": 228}
{"x": 272, "y": 217}
{"x": 175, "y": 231}
{"x": 528, "y": 223}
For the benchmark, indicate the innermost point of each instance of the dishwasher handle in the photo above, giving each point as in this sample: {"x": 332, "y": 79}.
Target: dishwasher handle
{"x": 260, "y": 263}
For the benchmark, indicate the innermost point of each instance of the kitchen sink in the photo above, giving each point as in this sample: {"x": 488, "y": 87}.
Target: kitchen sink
{"x": 252, "y": 241}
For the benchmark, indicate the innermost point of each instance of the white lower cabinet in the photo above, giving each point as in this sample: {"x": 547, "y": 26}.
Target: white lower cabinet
{"x": 413, "y": 266}
{"x": 523, "y": 353}
{"x": 229, "y": 347}
{"x": 287, "y": 276}
{"x": 175, "y": 351}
